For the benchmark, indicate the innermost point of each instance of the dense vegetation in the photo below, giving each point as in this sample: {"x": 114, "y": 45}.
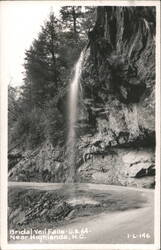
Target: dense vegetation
{"x": 35, "y": 113}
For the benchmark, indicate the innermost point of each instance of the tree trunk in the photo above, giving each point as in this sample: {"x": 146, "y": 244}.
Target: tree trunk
{"x": 74, "y": 22}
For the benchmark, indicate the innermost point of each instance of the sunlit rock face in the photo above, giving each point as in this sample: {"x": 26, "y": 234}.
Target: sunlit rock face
{"x": 118, "y": 100}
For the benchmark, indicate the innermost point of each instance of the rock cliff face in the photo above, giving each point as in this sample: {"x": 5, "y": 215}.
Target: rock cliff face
{"x": 45, "y": 164}
{"x": 118, "y": 102}
{"x": 116, "y": 126}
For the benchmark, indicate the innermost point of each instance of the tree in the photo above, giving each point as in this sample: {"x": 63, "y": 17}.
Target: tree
{"x": 48, "y": 66}
{"x": 13, "y": 107}
{"x": 71, "y": 15}
{"x": 79, "y": 20}
{"x": 89, "y": 19}
{"x": 41, "y": 69}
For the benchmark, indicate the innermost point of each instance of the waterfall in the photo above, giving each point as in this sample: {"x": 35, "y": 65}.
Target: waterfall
{"x": 73, "y": 112}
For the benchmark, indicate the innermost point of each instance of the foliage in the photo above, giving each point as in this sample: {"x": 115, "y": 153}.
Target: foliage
{"x": 41, "y": 65}
{"x": 28, "y": 129}
{"x": 78, "y": 20}
{"x": 34, "y": 115}
{"x": 71, "y": 16}
{"x": 89, "y": 19}
{"x": 12, "y": 105}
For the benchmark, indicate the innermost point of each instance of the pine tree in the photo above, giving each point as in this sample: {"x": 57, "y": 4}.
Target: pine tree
{"x": 41, "y": 70}
{"x": 89, "y": 19}
{"x": 71, "y": 16}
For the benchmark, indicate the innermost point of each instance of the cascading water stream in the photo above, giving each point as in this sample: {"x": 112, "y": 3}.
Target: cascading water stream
{"x": 73, "y": 112}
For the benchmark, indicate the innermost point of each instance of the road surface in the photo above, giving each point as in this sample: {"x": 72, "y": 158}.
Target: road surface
{"x": 123, "y": 227}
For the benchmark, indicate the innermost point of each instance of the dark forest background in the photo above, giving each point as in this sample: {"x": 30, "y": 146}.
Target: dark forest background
{"x": 34, "y": 111}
